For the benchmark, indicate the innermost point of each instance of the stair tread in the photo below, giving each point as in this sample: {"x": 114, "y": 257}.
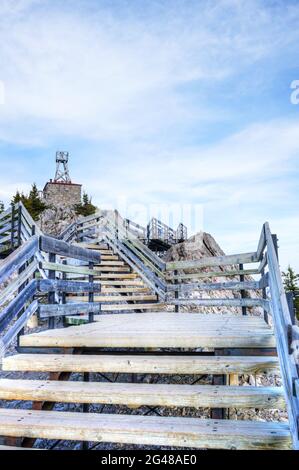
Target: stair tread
{"x": 15, "y": 448}
{"x": 112, "y": 298}
{"x": 140, "y": 394}
{"x": 159, "y": 329}
{"x": 146, "y": 430}
{"x": 152, "y": 363}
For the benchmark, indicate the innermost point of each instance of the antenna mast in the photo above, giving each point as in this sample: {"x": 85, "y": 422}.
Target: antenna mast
{"x": 62, "y": 170}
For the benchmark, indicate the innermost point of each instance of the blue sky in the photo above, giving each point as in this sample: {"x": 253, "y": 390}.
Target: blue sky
{"x": 159, "y": 103}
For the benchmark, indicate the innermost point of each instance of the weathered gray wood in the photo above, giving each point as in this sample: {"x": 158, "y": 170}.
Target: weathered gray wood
{"x": 141, "y": 364}
{"x": 261, "y": 245}
{"x": 12, "y": 310}
{"x": 116, "y": 222}
{"x": 223, "y": 302}
{"x": 134, "y": 394}
{"x": 56, "y": 310}
{"x": 281, "y": 319}
{"x": 9, "y": 336}
{"x": 247, "y": 285}
{"x": 16, "y": 283}
{"x": 264, "y": 282}
{"x": 84, "y": 270}
{"x": 29, "y": 220}
{"x": 207, "y": 275}
{"x": 66, "y": 234}
{"x": 5, "y": 228}
{"x": 145, "y": 273}
{"x": 241, "y": 258}
{"x": 149, "y": 430}
{"x": 59, "y": 247}
{"x": 158, "y": 330}
{"x": 7, "y": 238}
{"x": 5, "y": 214}
{"x": 46, "y": 285}
{"x": 16, "y": 259}
{"x": 263, "y": 263}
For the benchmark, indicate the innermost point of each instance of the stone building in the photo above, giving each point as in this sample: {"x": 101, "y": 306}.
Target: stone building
{"x": 61, "y": 191}
{"x": 58, "y": 193}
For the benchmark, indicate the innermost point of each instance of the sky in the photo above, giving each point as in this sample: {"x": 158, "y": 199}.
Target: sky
{"x": 181, "y": 107}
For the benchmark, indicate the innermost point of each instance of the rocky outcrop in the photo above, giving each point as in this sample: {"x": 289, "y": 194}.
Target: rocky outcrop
{"x": 200, "y": 246}
{"x": 56, "y": 219}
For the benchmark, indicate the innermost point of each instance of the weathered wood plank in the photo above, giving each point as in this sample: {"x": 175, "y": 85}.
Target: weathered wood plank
{"x": 5, "y": 228}
{"x": 149, "y": 430}
{"x": 282, "y": 320}
{"x": 143, "y": 364}
{"x": 133, "y": 394}
{"x": 12, "y": 310}
{"x": 66, "y": 268}
{"x": 223, "y": 302}
{"x": 230, "y": 285}
{"x": 17, "y": 327}
{"x": 50, "y": 285}
{"x": 73, "y": 308}
{"x": 16, "y": 259}
{"x": 18, "y": 282}
{"x": 211, "y": 274}
{"x": 114, "y": 298}
{"x": 160, "y": 329}
{"x": 144, "y": 272}
{"x": 261, "y": 245}
{"x": 59, "y": 247}
{"x": 241, "y": 258}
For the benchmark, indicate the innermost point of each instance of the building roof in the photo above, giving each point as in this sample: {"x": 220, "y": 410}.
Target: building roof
{"x": 60, "y": 183}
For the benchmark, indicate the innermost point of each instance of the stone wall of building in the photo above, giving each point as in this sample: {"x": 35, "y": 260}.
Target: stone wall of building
{"x": 62, "y": 194}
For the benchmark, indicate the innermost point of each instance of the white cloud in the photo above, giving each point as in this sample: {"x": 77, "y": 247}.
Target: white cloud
{"x": 102, "y": 76}
{"x": 138, "y": 86}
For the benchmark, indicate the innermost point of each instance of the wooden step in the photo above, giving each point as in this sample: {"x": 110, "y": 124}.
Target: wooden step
{"x": 113, "y": 298}
{"x": 113, "y": 269}
{"x": 13, "y": 448}
{"x": 145, "y": 430}
{"x": 125, "y": 290}
{"x": 141, "y": 364}
{"x": 116, "y": 276}
{"x": 160, "y": 329}
{"x": 130, "y": 281}
{"x": 134, "y": 394}
{"x": 93, "y": 246}
{"x": 110, "y": 263}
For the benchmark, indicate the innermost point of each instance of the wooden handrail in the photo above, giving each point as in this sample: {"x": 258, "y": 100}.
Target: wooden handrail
{"x": 282, "y": 325}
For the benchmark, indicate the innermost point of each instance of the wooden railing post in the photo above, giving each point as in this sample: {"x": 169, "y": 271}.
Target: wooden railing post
{"x": 243, "y": 295}
{"x": 275, "y": 243}
{"x": 176, "y": 292}
{"x": 91, "y": 293}
{"x": 12, "y": 234}
{"x": 19, "y": 225}
{"x": 64, "y": 278}
{"x": 51, "y": 295}
{"x": 291, "y": 305}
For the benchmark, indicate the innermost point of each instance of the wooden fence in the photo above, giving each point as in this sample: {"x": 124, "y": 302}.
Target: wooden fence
{"x": 257, "y": 272}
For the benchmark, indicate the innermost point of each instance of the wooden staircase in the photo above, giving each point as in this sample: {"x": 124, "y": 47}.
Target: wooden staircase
{"x": 142, "y": 361}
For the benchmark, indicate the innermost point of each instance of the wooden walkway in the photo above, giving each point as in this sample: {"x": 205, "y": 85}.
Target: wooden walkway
{"x": 160, "y": 330}
{"x": 134, "y": 347}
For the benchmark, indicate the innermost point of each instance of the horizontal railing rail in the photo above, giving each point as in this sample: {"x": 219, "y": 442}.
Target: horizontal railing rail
{"x": 287, "y": 334}
{"x": 31, "y": 252}
{"x": 20, "y": 285}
